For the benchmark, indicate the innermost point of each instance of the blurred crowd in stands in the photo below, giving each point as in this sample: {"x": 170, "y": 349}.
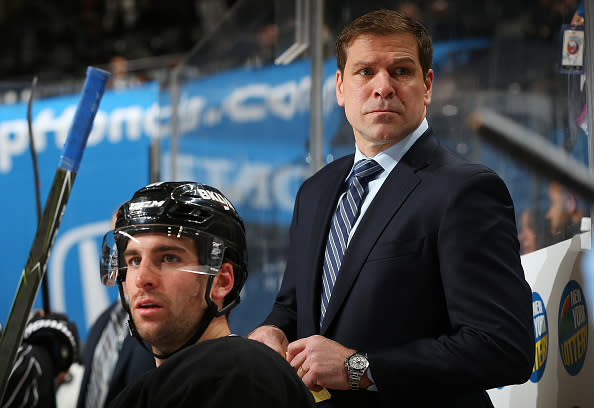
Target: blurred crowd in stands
{"x": 54, "y": 39}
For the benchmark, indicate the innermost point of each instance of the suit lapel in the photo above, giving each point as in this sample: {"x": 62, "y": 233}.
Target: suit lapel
{"x": 394, "y": 192}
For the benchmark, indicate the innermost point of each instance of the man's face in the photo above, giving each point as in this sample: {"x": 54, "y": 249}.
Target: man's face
{"x": 527, "y": 234}
{"x": 383, "y": 90}
{"x": 557, "y": 214}
{"x": 166, "y": 303}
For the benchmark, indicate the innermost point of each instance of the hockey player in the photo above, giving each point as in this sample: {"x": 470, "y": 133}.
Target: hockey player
{"x": 178, "y": 256}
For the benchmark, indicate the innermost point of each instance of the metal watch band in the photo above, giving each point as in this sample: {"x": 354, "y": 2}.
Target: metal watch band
{"x": 355, "y": 380}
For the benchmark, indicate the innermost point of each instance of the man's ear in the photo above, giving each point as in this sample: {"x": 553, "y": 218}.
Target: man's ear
{"x": 428, "y": 87}
{"x": 222, "y": 283}
{"x": 339, "y": 89}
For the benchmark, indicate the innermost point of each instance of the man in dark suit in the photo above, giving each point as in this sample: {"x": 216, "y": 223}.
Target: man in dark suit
{"x": 429, "y": 305}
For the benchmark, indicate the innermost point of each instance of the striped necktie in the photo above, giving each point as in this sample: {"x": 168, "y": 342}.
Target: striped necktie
{"x": 344, "y": 218}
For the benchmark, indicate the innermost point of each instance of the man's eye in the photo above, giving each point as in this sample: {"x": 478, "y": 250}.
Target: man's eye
{"x": 135, "y": 261}
{"x": 401, "y": 71}
{"x": 365, "y": 71}
{"x": 170, "y": 259}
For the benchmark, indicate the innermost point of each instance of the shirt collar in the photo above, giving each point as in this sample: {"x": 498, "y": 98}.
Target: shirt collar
{"x": 389, "y": 158}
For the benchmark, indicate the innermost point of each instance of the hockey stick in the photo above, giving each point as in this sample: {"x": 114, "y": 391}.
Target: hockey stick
{"x": 48, "y": 225}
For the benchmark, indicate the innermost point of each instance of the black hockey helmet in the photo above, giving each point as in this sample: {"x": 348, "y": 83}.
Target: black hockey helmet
{"x": 191, "y": 209}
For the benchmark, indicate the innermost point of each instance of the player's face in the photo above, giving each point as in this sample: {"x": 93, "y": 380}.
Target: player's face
{"x": 383, "y": 90}
{"x": 166, "y": 302}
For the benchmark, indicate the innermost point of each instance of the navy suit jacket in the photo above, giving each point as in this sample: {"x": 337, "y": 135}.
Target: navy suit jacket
{"x": 133, "y": 360}
{"x": 431, "y": 286}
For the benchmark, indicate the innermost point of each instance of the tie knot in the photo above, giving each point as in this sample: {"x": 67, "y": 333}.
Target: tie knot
{"x": 366, "y": 169}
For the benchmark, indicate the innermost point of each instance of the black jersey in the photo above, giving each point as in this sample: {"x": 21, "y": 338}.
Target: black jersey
{"x": 224, "y": 372}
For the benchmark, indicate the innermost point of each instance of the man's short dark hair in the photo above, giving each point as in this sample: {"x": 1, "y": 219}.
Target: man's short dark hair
{"x": 385, "y": 22}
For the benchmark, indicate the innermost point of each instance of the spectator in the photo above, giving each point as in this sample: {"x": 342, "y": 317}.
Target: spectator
{"x": 528, "y": 235}
{"x": 564, "y": 215}
{"x": 121, "y": 78}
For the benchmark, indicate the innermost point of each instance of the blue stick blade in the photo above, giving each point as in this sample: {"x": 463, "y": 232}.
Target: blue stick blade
{"x": 82, "y": 122}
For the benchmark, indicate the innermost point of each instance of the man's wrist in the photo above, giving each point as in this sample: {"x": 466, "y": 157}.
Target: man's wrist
{"x": 356, "y": 365}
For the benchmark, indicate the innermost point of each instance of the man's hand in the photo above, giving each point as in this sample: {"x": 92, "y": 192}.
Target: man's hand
{"x": 273, "y": 337}
{"x": 320, "y": 362}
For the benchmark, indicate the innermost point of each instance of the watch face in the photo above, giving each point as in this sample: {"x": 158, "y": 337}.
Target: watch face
{"x": 358, "y": 362}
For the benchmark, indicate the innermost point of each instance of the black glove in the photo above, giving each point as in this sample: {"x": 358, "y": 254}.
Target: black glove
{"x": 57, "y": 334}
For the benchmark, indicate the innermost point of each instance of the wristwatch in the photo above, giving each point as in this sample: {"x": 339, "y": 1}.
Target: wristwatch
{"x": 356, "y": 364}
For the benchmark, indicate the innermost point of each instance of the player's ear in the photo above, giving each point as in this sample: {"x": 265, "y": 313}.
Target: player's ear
{"x": 222, "y": 283}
